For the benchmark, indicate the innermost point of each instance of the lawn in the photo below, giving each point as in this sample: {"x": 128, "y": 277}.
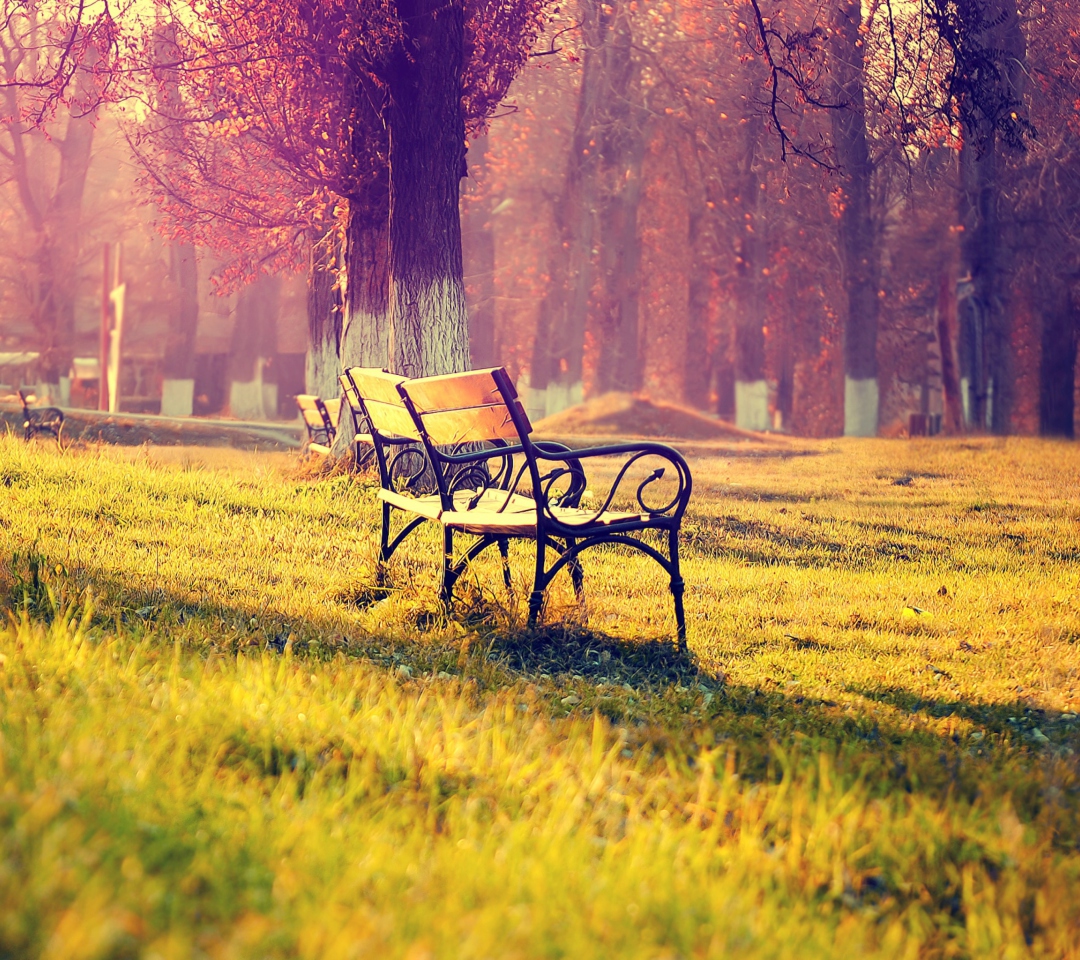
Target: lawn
{"x": 219, "y": 738}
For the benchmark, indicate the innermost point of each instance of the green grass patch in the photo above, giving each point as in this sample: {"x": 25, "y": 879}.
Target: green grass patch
{"x": 221, "y": 736}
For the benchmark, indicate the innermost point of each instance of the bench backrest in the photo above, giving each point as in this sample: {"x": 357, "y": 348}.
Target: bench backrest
{"x": 375, "y": 392}
{"x": 474, "y": 407}
{"x": 320, "y": 427}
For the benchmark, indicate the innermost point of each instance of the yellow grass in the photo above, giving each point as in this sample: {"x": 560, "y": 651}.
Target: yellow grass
{"x": 219, "y": 739}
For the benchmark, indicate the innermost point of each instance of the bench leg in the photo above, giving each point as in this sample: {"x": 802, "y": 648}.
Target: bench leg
{"x": 384, "y": 546}
{"x": 446, "y": 588}
{"x": 536, "y": 598}
{"x": 677, "y": 589}
{"x": 577, "y": 575}
{"x": 504, "y": 552}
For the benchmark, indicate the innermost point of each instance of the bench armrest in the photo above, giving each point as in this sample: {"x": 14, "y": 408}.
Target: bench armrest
{"x": 672, "y": 508}
{"x": 508, "y": 477}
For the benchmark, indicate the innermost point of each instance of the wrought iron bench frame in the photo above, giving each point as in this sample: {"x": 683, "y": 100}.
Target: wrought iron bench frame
{"x": 321, "y": 427}
{"x": 556, "y": 478}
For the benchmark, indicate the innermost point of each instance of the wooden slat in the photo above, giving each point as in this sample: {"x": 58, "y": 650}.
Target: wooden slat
{"x": 448, "y": 427}
{"x": 392, "y": 420}
{"x": 453, "y": 391}
{"x": 349, "y": 391}
{"x": 333, "y": 407}
{"x": 376, "y": 384}
{"x": 429, "y": 506}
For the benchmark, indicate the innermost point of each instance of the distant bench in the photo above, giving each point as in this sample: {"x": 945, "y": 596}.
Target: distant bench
{"x": 456, "y": 450}
{"x": 320, "y": 418}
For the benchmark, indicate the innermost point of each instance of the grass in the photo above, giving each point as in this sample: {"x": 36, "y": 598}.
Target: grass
{"x": 219, "y": 738}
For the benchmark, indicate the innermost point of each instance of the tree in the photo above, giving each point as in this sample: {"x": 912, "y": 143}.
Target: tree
{"x": 858, "y": 231}
{"x": 47, "y": 145}
{"x": 359, "y": 107}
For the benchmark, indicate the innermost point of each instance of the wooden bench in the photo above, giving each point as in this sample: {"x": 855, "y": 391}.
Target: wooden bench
{"x": 41, "y": 420}
{"x": 320, "y": 419}
{"x": 493, "y": 481}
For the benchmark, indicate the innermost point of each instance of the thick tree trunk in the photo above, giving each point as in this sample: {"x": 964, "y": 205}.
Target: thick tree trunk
{"x": 365, "y": 338}
{"x": 858, "y": 232}
{"x": 429, "y": 332}
{"x": 1057, "y": 374}
{"x": 325, "y": 319}
{"x": 178, "y": 388}
{"x": 984, "y": 250}
{"x": 478, "y": 246}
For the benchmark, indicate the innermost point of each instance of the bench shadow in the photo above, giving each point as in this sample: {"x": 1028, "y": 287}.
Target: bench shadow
{"x": 889, "y": 739}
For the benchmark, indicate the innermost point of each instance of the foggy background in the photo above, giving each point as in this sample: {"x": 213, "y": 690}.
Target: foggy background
{"x": 628, "y": 224}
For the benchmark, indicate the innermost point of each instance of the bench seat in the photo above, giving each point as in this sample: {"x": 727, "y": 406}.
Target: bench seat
{"x": 470, "y": 429}
{"x": 487, "y": 515}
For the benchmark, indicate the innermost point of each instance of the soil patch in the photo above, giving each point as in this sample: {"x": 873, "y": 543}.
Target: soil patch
{"x": 630, "y": 415}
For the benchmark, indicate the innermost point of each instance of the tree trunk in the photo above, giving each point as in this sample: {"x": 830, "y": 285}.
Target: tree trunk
{"x": 365, "y": 338}
{"x": 697, "y": 371}
{"x": 429, "y": 332}
{"x": 950, "y": 379}
{"x": 59, "y": 259}
{"x": 623, "y": 142}
{"x": 325, "y": 320}
{"x": 478, "y": 245}
{"x": 178, "y": 388}
{"x": 1057, "y": 374}
{"x": 252, "y": 393}
{"x": 984, "y": 251}
{"x": 751, "y": 389}
{"x": 556, "y": 372}
{"x": 858, "y": 233}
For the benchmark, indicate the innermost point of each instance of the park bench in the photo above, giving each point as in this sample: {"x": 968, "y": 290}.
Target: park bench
{"x": 320, "y": 419}
{"x": 40, "y": 420}
{"x": 492, "y": 480}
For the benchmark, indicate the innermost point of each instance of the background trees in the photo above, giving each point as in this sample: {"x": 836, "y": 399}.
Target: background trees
{"x": 817, "y": 216}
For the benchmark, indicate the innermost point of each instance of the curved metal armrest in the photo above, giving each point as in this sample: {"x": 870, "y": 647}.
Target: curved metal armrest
{"x": 507, "y": 479}
{"x": 672, "y": 508}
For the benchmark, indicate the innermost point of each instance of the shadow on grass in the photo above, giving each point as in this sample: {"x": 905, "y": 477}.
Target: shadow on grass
{"x": 890, "y": 739}
{"x": 758, "y": 543}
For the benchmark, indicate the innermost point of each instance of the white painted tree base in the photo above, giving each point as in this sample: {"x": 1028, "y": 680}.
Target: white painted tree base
{"x": 177, "y": 398}
{"x": 253, "y": 400}
{"x": 860, "y": 407}
{"x": 54, "y": 394}
{"x": 554, "y": 399}
{"x": 752, "y": 404}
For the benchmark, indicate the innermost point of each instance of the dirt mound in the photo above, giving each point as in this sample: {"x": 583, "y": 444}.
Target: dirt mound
{"x": 629, "y": 415}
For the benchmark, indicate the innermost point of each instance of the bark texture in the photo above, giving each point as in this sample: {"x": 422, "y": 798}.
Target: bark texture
{"x": 325, "y": 319}
{"x": 428, "y": 315}
{"x": 859, "y": 240}
{"x": 985, "y": 255}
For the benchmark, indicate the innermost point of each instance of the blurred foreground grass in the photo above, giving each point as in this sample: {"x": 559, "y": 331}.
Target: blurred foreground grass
{"x": 218, "y": 739}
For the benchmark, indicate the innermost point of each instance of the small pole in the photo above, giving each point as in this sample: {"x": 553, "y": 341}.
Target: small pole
{"x": 103, "y": 340}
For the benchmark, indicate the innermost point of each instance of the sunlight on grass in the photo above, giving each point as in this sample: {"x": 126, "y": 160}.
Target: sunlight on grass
{"x": 219, "y": 738}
